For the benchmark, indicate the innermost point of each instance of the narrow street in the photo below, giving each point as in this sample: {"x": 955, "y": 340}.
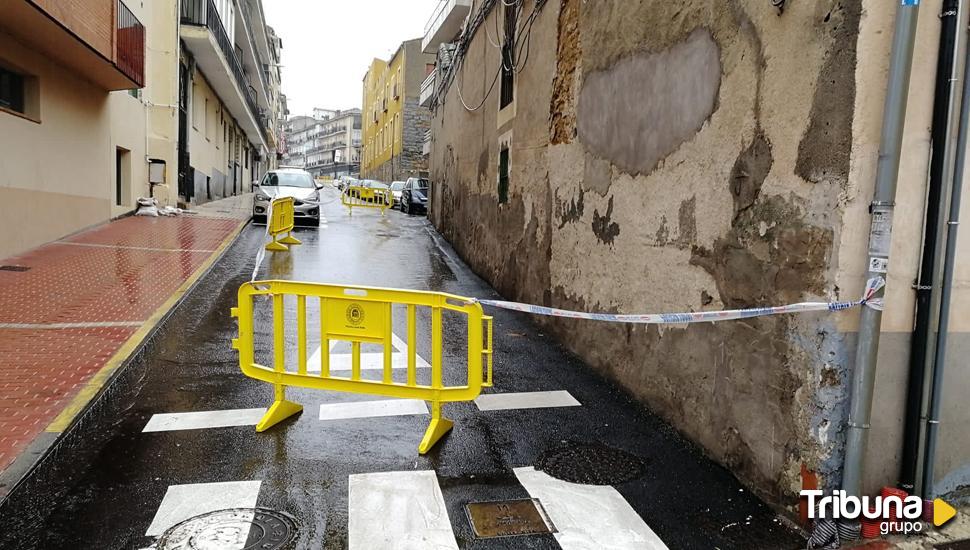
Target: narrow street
{"x": 130, "y": 470}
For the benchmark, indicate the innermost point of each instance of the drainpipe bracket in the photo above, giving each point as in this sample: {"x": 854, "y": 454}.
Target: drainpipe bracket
{"x": 887, "y": 205}
{"x": 859, "y": 426}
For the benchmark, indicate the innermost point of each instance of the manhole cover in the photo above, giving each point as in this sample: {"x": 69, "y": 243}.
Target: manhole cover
{"x": 508, "y": 518}
{"x": 236, "y": 528}
{"x": 590, "y": 464}
{"x": 13, "y": 268}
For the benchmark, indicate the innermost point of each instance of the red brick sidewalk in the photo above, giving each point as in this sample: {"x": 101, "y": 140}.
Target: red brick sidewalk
{"x": 82, "y": 306}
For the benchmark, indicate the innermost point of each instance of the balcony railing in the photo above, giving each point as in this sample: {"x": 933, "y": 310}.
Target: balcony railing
{"x": 260, "y": 66}
{"x": 130, "y": 44}
{"x": 428, "y": 89}
{"x": 203, "y": 13}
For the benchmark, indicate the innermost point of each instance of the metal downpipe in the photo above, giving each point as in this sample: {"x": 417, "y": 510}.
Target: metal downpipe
{"x": 887, "y": 172}
{"x": 927, "y": 284}
{"x": 949, "y": 263}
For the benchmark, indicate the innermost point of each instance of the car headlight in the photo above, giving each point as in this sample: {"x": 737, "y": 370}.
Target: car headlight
{"x": 261, "y": 197}
{"x": 315, "y": 197}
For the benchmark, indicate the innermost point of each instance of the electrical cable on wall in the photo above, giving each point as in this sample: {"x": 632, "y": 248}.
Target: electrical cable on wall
{"x": 521, "y": 36}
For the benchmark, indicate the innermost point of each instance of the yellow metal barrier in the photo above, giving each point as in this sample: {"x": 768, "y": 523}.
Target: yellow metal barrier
{"x": 281, "y": 220}
{"x": 362, "y": 315}
{"x": 356, "y": 196}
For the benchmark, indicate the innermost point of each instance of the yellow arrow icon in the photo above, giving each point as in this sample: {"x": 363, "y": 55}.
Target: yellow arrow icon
{"x": 942, "y": 512}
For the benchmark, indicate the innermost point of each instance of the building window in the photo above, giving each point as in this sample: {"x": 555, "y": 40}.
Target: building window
{"x": 503, "y": 175}
{"x": 12, "y": 91}
{"x": 508, "y": 56}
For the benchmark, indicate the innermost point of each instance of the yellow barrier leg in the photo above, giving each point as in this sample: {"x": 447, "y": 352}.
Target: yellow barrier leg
{"x": 438, "y": 427}
{"x": 279, "y": 411}
{"x": 290, "y": 239}
{"x": 276, "y": 246}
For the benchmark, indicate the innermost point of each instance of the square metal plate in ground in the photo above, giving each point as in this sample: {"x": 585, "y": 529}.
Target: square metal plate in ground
{"x": 508, "y": 518}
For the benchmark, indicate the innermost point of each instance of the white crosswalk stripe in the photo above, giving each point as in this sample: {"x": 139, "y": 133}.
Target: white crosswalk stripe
{"x": 398, "y": 511}
{"x": 589, "y": 516}
{"x": 203, "y": 419}
{"x": 368, "y": 361}
{"x": 525, "y": 400}
{"x": 182, "y": 502}
{"x": 372, "y": 409}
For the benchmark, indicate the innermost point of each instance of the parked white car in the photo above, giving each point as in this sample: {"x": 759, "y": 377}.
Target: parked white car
{"x": 396, "y": 188}
{"x": 288, "y": 182}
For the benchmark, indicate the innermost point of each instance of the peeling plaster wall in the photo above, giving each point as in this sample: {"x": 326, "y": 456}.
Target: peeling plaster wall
{"x": 695, "y": 155}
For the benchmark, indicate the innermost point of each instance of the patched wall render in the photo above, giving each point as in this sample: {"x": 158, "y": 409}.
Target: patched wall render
{"x": 697, "y": 155}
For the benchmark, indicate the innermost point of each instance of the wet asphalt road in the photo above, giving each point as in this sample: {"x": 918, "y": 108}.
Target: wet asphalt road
{"x": 102, "y": 485}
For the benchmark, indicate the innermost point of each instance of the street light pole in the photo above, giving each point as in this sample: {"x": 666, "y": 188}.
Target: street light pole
{"x": 883, "y": 202}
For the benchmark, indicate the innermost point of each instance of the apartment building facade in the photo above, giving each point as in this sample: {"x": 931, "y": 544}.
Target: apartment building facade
{"x": 179, "y": 100}
{"x": 229, "y": 99}
{"x": 651, "y": 157}
{"x": 327, "y": 144}
{"x": 70, "y": 76}
{"x": 394, "y": 122}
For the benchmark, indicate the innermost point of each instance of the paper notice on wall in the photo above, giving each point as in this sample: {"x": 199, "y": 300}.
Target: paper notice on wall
{"x": 878, "y": 265}
{"x": 880, "y": 235}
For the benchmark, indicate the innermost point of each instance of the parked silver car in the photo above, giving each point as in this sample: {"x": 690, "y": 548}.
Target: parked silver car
{"x": 288, "y": 182}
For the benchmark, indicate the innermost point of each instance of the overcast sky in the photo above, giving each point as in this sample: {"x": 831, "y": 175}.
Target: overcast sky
{"x": 329, "y": 44}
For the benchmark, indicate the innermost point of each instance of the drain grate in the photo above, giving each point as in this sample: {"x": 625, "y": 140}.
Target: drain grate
{"x": 18, "y": 268}
{"x": 590, "y": 464}
{"x": 508, "y": 518}
{"x": 245, "y": 528}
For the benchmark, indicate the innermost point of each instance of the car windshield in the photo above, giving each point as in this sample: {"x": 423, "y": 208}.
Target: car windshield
{"x": 285, "y": 179}
{"x": 397, "y": 186}
{"x": 421, "y": 185}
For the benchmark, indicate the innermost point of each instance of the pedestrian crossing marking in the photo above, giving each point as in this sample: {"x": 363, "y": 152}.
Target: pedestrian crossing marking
{"x": 182, "y": 502}
{"x": 398, "y": 511}
{"x": 525, "y": 400}
{"x": 589, "y": 516}
{"x": 372, "y": 409}
{"x": 368, "y": 361}
{"x": 203, "y": 420}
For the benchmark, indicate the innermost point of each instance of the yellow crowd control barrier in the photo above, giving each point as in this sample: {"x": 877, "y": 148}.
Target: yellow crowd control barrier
{"x": 362, "y": 315}
{"x": 281, "y": 220}
{"x": 356, "y": 196}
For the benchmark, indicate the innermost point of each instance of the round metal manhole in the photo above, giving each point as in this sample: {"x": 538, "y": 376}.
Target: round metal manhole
{"x": 235, "y": 528}
{"x": 590, "y": 464}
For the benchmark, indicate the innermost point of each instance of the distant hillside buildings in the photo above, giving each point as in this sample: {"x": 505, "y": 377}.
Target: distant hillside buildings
{"x": 327, "y": 143}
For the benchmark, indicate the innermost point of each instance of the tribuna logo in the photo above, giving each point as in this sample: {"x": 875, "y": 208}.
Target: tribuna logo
{"x": 901, "y": 515}
{"x": 839, "y": 505}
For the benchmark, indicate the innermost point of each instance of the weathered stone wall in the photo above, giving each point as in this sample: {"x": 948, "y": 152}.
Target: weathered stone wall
{"x": 691, "y": 155}
{"x": 417, "y": 121}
